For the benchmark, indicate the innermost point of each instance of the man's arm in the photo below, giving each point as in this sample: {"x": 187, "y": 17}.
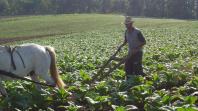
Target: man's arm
{"x": 142, "y": 43}
{"x": 141, "y": 39}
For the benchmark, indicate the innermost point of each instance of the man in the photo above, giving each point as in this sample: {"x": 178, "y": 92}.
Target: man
{"x": 136, "y": 41}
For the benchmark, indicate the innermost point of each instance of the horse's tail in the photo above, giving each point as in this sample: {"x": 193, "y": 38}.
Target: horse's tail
{"x": 53, "y": 68}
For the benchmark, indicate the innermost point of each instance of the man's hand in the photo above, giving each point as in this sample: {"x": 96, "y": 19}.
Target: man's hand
{"x": 134, "y": 51}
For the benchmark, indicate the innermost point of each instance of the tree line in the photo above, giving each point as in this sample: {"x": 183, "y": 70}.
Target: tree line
{"x": 182, "y": 9}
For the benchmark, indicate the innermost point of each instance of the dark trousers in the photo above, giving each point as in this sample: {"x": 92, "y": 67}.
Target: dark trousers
{"x": 133, "y": 66}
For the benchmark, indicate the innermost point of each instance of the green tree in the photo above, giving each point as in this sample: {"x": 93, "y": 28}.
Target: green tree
{"x": 43, "y": 6}
{"x": 4, "y": 7}
{"x": 196, "y": 8}
{"x": 154, "y": 8}
{"x": 176, "y": 8}
{"x": 106, "y": 6}
{"x": 183, "y": 9}
{"x": 119, "y": 6}
{"x": 136, "y": 7}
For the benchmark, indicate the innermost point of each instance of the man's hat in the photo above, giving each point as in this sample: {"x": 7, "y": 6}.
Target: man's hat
{"x": 128, "y": 20}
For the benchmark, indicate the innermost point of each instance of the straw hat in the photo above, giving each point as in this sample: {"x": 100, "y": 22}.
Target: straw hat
{"x": 128, "y": 20}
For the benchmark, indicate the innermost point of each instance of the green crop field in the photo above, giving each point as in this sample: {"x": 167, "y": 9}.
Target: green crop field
{"x": 84, "y": 42}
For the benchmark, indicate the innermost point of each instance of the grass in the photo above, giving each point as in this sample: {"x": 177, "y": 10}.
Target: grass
{"x": 64, "y": 24}
{"x": 55, "y": 24}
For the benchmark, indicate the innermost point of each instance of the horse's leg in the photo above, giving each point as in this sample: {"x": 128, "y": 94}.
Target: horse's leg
{"x": 48, "y": 79}
{"x": 45, "y": 76}
{"x": 34, "y": 77}
{"x": 42, "y": 68}
{"x": 2, "y": 89}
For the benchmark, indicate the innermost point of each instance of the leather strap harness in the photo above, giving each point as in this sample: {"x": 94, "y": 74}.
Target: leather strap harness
{"x": 11, "y": 50}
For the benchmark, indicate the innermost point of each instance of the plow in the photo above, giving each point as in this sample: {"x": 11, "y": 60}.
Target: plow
{"x": 101, "y": 73}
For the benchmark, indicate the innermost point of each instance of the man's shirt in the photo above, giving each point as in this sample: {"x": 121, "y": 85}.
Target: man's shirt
{"x": 134, "y": 39}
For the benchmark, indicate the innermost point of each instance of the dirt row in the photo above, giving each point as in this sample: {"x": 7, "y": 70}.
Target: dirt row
{"x": 14, "y": 39}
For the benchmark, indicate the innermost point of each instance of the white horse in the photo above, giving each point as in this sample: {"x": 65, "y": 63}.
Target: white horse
{"x": 30, "y": 59}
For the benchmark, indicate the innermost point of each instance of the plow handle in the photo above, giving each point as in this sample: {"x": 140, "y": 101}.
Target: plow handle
{"x": 106, "y": 63}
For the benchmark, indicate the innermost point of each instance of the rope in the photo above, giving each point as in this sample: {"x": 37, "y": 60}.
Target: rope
{"x": 9, "y": 74}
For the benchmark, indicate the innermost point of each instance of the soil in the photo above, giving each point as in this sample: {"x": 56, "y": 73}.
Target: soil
{"x": 14, "y": 39}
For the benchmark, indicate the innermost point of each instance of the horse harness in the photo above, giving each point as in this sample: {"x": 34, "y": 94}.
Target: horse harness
{"x": 11, "y": 50}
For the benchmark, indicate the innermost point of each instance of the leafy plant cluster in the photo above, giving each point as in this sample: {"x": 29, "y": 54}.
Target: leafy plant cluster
{"x": 170, "y": 64}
